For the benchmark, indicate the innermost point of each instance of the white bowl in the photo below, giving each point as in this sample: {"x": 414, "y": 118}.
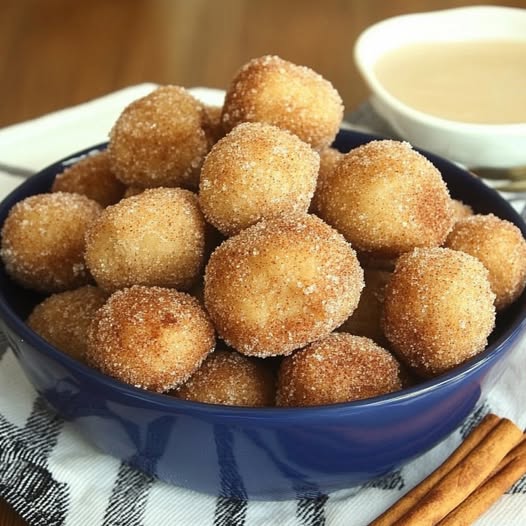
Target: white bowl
{"x": 491, "y": 145}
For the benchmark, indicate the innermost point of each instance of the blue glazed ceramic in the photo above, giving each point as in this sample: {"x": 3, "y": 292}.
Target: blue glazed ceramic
{"x": 271, "y": 453}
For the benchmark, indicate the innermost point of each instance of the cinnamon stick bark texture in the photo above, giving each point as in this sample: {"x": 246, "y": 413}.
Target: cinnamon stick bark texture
{"x": 485, "y": 496}
{"x": 465, "y": 477}
{"x": 411, "y": 498}
{"x": 517, "y": 451}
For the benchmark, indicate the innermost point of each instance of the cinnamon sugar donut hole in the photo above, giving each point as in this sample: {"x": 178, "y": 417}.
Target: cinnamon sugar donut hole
{"x": 281, "y": 284}
{"x": 42, "y": 243}
{"x": 64, "y": 318}
{"x": 150, "y": 337}
{"x": 386, "y": 199}
{"x": 154, "y": 238}
{"x": 229, "y": 378}
{"x": 501, "y": 248}
{"x": 158, "y": 140}
{"x": 338, "y": 368}
{"x": 438, "y": 309}
{"x": 295, "y": 98}
{"x": 91, "y": 176}
{"x": 256, "y": 171}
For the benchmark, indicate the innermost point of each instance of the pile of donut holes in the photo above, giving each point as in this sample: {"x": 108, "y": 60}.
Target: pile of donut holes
{"x": 229, "y": 255}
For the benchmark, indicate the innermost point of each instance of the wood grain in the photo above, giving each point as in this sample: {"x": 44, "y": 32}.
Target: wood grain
{"x": 57, "y": 53}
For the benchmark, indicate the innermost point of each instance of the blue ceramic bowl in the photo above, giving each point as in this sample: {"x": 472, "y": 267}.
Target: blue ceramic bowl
{"x": 264, "y": 453}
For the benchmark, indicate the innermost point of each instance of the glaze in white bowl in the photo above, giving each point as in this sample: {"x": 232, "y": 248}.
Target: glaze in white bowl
{"x": 491, "y": 145}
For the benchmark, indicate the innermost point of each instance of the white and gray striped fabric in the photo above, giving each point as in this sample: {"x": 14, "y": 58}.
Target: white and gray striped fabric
{"x": 53, "y": 477}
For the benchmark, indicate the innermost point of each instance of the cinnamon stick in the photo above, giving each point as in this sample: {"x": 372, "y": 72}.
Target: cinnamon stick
{"x": 401, "y": 507}
{"x": 465, "y": 477}
{"x": 485, "y": 496}
{"x": 517, "y": 451}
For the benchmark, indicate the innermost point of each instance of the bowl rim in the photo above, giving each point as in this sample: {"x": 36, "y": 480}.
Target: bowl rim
{"x": 161, "y": 401}
{"x": 367, "y": 71}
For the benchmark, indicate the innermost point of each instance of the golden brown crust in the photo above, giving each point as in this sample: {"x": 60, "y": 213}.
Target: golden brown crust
{"x": 339, "y": 368}
{"x": 256, "y": 171}
{"x": 150, "y": 337}
{"x": 501, "y": 248}
{"x": 63, "y": 319}
{"x": 438, "y": 309}
{"x": 158, "y": 140}
{"x": 43, "y": 241}
{"x": 295, "y": 98}
{"x": 229, "y": 378}
{"x": 154, "y": 238}
{"x": 91, "y": 176}
{"x": 386, "y": 199}
{"x": 281, "y": 284}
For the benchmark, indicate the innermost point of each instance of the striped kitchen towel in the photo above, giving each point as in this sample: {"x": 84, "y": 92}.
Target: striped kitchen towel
{"x": 53, "y": 477}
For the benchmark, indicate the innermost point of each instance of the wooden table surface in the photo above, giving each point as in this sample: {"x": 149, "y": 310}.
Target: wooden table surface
{"x": 57, "y": 53}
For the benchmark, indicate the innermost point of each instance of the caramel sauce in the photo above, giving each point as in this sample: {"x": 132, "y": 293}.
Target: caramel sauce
{"x": 481, "y": 81}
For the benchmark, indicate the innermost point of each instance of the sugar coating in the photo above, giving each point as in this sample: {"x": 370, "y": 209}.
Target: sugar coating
{"x": 154, "y": 238}
{"x": 159, "y": 140}
{"x": 281, "y": 284}
{"x": 438, "y": 309}
{"x": 386, "y": 199}
{"x": 256, "y": 171}
{"x": 229, "y": 378}
{"x": 338, "y": 368}
{"x": 272, "y": 90}
{"x": 501, "y": 248}
{"x": 91, "y": 176}
{"x": 329, "y": 158}
{"x": 42, "y": 241}
{"x": 150, "y": 337}
{"x": 460, "y": 210}
{"x": 63, "y": 319}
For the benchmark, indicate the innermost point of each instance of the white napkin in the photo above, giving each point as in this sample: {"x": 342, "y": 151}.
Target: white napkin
{"x": 52, "y": 476}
